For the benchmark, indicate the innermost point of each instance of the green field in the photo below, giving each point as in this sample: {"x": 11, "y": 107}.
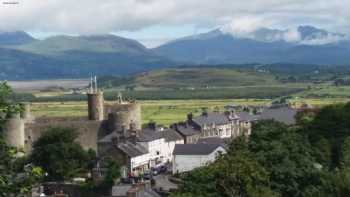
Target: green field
{"x": 167, "y": 95}
{"x": 166, "y": 111}
{"x": 162, "y": 111}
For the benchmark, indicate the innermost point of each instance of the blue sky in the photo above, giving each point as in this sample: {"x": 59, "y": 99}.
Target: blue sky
{"x": 150, "y": 36}
{"x": 153, "y": 22}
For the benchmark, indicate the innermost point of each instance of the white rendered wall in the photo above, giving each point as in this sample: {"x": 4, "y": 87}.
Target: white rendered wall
{"x": 184, "y": 163}
{"x": 164, "y": 148}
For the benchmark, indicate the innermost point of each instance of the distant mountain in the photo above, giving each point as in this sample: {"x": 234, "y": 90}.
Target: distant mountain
{"x": 23, "y": 57}
{"x": 15, "y": 38}
{"x": 80, "y": 56}
{"x": 99, "y": 43}
{"x": 303, "y": 45}
{"x": 192, "y": 77}
{"x": 20, "y": 65}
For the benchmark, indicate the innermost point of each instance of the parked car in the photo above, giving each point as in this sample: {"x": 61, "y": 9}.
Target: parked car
{"x": 148, "y": 175}
{"x": 155, "y": 171}
{"x": 162, "y": 169}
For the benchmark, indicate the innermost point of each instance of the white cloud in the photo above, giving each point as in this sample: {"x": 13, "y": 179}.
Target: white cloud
{"x": 292, "y": 35}
{"x": 244, "y": 26}
{"x": 96, "y": 16}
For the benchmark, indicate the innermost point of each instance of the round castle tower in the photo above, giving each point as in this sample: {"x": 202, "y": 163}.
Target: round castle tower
{"x": 95, "y": 105}
{"x": 95, "y": 102}
{"x": 14, "y": 129}
{"x": 123, "y": 114}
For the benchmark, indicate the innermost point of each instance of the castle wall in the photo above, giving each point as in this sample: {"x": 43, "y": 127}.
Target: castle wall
{"x": 88, "y": 130}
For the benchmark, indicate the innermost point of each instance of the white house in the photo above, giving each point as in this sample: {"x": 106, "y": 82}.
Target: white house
{"x": 160, "y": 144}
{"x": 150, "y": 148}
{"x": 186, "y": 157}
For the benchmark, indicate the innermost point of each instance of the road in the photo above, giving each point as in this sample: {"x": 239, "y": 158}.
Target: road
{"x": 163, "y": 182}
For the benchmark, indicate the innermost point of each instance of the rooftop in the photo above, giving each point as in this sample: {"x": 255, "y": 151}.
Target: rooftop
{"x": 122, "y": 190}
{"x": 212, "y": 140}
{"x": 210, "y": 118}
{"x": 246, "y": 116}
{"x": 149, "y": 134}
{"x": 281, "y": 114}
{"x": 132, "y": 150}
{"x": 195, "y": 149}
{"x": 108, "y": 138}
{"x": 186, "y": 129}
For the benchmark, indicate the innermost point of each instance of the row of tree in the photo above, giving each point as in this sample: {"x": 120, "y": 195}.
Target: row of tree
{"x": 309, "y": 159}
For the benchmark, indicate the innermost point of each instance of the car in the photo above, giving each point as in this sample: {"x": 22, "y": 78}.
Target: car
{"x": 147, "y": 176}
{"x": 155, "y": 171}
{"x": 162, "y": 169}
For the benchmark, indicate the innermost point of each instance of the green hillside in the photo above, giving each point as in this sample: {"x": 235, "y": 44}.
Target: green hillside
{"x": 193, "y": 78}
{"x": 76, "y": 57}
{"x": 203, "y": 78}
{"x": 100, "y": 44}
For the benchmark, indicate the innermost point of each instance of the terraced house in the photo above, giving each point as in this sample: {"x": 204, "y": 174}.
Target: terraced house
{"x": 214, "y": 124}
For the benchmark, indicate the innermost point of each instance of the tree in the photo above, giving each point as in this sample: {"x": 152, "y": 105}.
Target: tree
{"x": 240, "y": 174}
{"x": 59, "y": 155}
{"x": 287, "y": 156}
{"x": 16, "y": 175}
{"x": 331, "y": 123}
{"x": 113, "y": 172}
{"x": 236, "y": 173}
{"x": 7, "y": 106}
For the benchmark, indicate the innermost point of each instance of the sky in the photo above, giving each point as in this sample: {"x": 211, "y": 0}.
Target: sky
{"x": 154, "y": 22}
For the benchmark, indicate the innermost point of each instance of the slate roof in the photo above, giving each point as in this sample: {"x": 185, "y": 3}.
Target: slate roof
{"x": 108, "y": 138}
{"x": 187, "y": 130}
{"x": 132, "y": 150}
{"x": 282, "y": 114}
{"x": 120, "y": 190}
{"x": 148, "y": 135}
{"x": 246, "y": 116}
{"x": 214, "y": 117}
{"x": 212, "y": 140}
{"x": 195, "y": 149}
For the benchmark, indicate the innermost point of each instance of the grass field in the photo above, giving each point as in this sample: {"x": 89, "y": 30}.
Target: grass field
{"x": 163, "y": 112}
{"x": 167, "y": 111}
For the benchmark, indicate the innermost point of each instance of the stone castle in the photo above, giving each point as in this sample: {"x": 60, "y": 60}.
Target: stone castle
{"x": 21, "y": 130}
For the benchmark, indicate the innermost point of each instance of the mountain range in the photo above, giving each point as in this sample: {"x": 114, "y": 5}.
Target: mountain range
{"x": 75, "y": 57}
{"x": 24, "y": 57}
{"x": 304, "y": 45}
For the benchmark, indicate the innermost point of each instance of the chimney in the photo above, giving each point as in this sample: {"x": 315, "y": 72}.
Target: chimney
{"x": 152, "y": 125}
{"x": 189, "y": 117}
{"x": 124, "y": 131}
{"x": 174, "y": 126}
{"x": 205, "y": 114}
{"x": 227, "y": 113}
{"x": 132, "y": 126}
